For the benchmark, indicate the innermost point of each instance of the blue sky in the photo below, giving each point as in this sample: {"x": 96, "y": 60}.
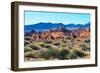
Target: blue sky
{"x": 33, "y": 17}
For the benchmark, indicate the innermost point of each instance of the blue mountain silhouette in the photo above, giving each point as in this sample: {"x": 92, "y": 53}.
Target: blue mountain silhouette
{"x": 46, "y": 26}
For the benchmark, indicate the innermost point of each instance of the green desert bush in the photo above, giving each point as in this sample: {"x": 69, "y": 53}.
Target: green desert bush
{"x": 63, "y": 54}
{"x": 70, "y": 47}
{"x": 48, "y": 42}
{"x": 42, "y": 45}
{"x": 87, "y": 40}
{"x": 26, "y": 42}
{"x": 31, "y": 54}
{"x": 72, "y": 55}
{"x": 64, "y": 41}
{"x": 35, "y": 47}
{"x": 79, "y": 53}
{"x": 44, "y": 55}
{"x": 56, "y": 43}
{"x": 48, "y": 46}
{"x": 48, "y": 54}
{"x": 63, "y": 45}
{"x": 26, "y": 48}
{"x": 84, "y": 47}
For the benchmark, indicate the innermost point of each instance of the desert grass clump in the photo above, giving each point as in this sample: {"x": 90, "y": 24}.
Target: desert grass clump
{"x": 63, "y": 45}
{"x": 70, "y": 47}
{"x": 35, "y": 47}
{"x": 42, "y": 45}
{"x": 49, "y": 54}
{"x": 63, "y": 54}
{"x": 79, "y": 53}
{"x": 26, "y": 42}
{"x": 48, "y": 42}
{"x": 64, "y": 41}
{"x": 27, "y": 48}
{"x": 85, "y": 47}
{"x": 48, "y": 46}
{"x": 72, "y": 55}
{"x": 31, "y": 54}
{"x": 56, "y": 43}
{"x": 87, "y": 40}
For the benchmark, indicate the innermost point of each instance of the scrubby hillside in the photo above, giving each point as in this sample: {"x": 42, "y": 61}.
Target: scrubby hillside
{"x": 57, "y": 44}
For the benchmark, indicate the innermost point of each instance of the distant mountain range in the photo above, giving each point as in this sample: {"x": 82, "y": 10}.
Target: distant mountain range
{"x": 47, "y": 26}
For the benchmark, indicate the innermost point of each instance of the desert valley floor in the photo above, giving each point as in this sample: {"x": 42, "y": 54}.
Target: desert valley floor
{"x": 59, "y": 44}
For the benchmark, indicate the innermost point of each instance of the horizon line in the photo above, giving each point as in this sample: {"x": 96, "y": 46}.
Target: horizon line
{"x": 58, "y": 23}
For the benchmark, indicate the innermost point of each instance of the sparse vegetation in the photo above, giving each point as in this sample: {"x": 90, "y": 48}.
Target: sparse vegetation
{"x": 48, "y": 42}
{"x": 79, "y": 53}
{"x": 85, "y": 47}
{"x": 61, "y": 46}
{"x": 63, "y": 54}
{"x": 49, "y": 54}
{"x": 27, "y": 49}
{"x": 31, "y": 54}
{"x": 56, "y": 43}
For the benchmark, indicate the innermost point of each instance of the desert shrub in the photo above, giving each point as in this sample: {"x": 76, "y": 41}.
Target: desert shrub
{"x": 72, "y": 55}
{"x": 88, "y": 49}
{"x": 70, "y": 47}
{"x": 48, "y": 42}
{"x": 26, "y": 48}
{"x": 35, "y": 47}
{"x": 79, "y": 53}
{"x": 27, "y": 38}
{"x": 68, "y": 54}
{"x": 26, "y": 42}
{"x": 63, "y": 54}
{"x": 67, "y": 38}
{"x": 48, "y": 54}
{"x": 64, "y": 41}
{"x": 63, "y": 45}
{"x": 87, "y": 40}
{"x": 48, "y": 46}
{"x": 31, "y": 54}
{"x": 56, "y": 43}
{"x": 84, "y": 47}
{"x": 44, "y": 55}
{"x": 42, "y": 45}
